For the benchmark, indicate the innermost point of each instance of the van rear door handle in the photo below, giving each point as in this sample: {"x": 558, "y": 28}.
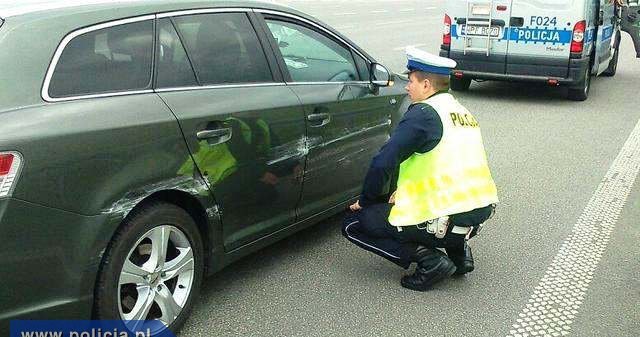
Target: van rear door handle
{"x": 215, "y": 136}
{"x": 319, "y": 120}
{"x": 516, "y": 21}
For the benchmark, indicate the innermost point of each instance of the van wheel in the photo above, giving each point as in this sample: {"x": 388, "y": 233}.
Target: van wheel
{"x": 613, "y": 64}
{"x": 581, "y": 92}
{"x": 459, "y": 84}
{"x": 152, "y": 269}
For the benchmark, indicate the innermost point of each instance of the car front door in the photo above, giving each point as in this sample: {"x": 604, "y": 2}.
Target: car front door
{"x": 631, "y": 23}
{"x": 342, "y": 132}
{"x": 243, "y": 126}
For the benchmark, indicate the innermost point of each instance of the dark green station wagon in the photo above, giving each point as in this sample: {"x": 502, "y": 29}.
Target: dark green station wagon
{"x": 146, "y": 144}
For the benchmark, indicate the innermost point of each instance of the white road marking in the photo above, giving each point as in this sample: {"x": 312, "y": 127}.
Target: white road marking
{"x": 430, "y": 8}
{"x": 344, "y": 27}
{"x": 380, "y": 11}
{"x": 407, "y": 10}
{"x": 413, "y": 45}
{"x": 392, "y": 22}
{"x": 343, "y": 14}
{"x": 556, "y": 300}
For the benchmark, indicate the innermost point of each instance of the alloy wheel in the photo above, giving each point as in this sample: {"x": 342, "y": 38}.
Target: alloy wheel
{"x": 157, "y": 276}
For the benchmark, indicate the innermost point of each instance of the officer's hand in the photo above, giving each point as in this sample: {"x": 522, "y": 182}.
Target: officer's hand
{"x": 392, "y": 198}
{"x": 269, "y": 178}
{"x": 355, "y": 206}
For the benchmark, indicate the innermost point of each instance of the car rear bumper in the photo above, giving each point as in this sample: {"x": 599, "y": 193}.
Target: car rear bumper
{"x": 48, "y": 260}
{"x": 569, "y": 72}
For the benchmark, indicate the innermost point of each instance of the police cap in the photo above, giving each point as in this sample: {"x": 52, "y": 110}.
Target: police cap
{"x": 420, "y": 60}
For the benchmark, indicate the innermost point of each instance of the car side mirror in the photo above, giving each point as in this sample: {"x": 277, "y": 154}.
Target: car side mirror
{"x": 379, "y": 75}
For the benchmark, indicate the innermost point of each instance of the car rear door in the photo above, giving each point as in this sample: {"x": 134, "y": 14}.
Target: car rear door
{"x": 243, "y": 126}
{"x": 540, "y": 36}
{"x": 479, "y": 34}
{"x": 631, "y": 23}
{"x": 342, "y": 133}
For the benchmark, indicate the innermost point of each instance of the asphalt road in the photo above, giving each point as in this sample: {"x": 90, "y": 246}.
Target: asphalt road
{"x": 555, "y": 165}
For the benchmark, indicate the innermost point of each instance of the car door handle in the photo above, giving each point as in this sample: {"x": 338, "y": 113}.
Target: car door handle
{"x": 215, "y": 136}
{"x": 319, "y": 120}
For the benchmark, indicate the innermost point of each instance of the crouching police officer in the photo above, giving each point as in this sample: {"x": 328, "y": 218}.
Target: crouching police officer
{"x": 444, "y": 187}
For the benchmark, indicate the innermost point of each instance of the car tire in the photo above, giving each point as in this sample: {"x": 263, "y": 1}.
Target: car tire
{"x": 459, "y": 84}
{"x": 581, "y": 92}
{"x": 160, "y": 288}
{"x": 613, "y": 64}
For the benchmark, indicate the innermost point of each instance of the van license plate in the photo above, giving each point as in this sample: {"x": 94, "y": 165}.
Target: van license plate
{"x": 472, "y": 30}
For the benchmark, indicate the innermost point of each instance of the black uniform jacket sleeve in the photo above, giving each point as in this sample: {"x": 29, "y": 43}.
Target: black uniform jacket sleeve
{"x": 420, "y": 130}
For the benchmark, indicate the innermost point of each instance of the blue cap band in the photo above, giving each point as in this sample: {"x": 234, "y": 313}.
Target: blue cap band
{"x": 414, "y": 65}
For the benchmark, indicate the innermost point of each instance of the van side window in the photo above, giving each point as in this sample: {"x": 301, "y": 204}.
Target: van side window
{"x": 224, "y": 48}
{"x": 106, "y": 60}
{"x": 173, "y": 66}
{"x": 311, "y": 56}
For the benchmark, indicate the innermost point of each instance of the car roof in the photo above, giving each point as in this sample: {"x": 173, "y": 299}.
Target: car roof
{"x": 12, "y": 8}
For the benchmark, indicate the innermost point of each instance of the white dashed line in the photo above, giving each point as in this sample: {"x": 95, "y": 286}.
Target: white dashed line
{"x": 556, "y": 300}
{"x": 343, "y": 14}
{"x": 413, "y": 45}
{"x": 380, "y": 11}
{"x": 345, "y": 27}
{"x": 430, "y": 8}
{"x": 392, "y": 22}
{"x": 407, "y": 10}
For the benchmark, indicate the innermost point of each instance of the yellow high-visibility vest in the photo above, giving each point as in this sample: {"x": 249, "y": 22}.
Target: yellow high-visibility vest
{"x": 217, "y": 160}
{"x": 452, "y": 178}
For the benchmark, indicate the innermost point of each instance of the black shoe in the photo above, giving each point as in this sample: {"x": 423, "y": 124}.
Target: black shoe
{"x": 432, "y": 268}
{"x": 463, "y": 262}
{"x": 420, "y": 252}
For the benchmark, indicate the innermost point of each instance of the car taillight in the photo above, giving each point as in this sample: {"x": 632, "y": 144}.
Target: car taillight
{"x": 577, "y": 43}
{"x": 446, "y": 36}
{"x": 10, "y": 163}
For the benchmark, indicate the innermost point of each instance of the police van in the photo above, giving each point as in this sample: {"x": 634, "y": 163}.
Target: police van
{"x": 558, "y": 42}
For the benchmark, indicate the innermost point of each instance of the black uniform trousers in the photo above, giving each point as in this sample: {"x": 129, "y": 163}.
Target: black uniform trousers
{"x": 370, "y": 229}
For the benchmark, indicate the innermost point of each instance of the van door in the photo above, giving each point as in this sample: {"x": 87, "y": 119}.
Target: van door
{"x": 540, "y": 36}
{"x": 479, "y": 31}
{"x": 631, "y": 23}
{"x": 605, "y": 41}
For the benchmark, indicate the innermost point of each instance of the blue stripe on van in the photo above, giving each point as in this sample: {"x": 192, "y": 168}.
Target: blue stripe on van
{"x": 589, "y": 36}
{"x": 530, "y": 35}
{"x": 607, "y": 33}
{"x": 536, "y": 35}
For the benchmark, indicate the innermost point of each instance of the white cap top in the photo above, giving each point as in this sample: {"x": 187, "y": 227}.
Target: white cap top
{"x": 427, "y": 62}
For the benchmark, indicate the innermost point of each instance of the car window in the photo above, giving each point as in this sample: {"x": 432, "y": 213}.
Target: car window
{"x": 106, "y": 60}
{"x": 174, "y": 68}
{"x": 311, "y": 56}
{"x": 224, "y": 48}
{"x": 363, "y": 66}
